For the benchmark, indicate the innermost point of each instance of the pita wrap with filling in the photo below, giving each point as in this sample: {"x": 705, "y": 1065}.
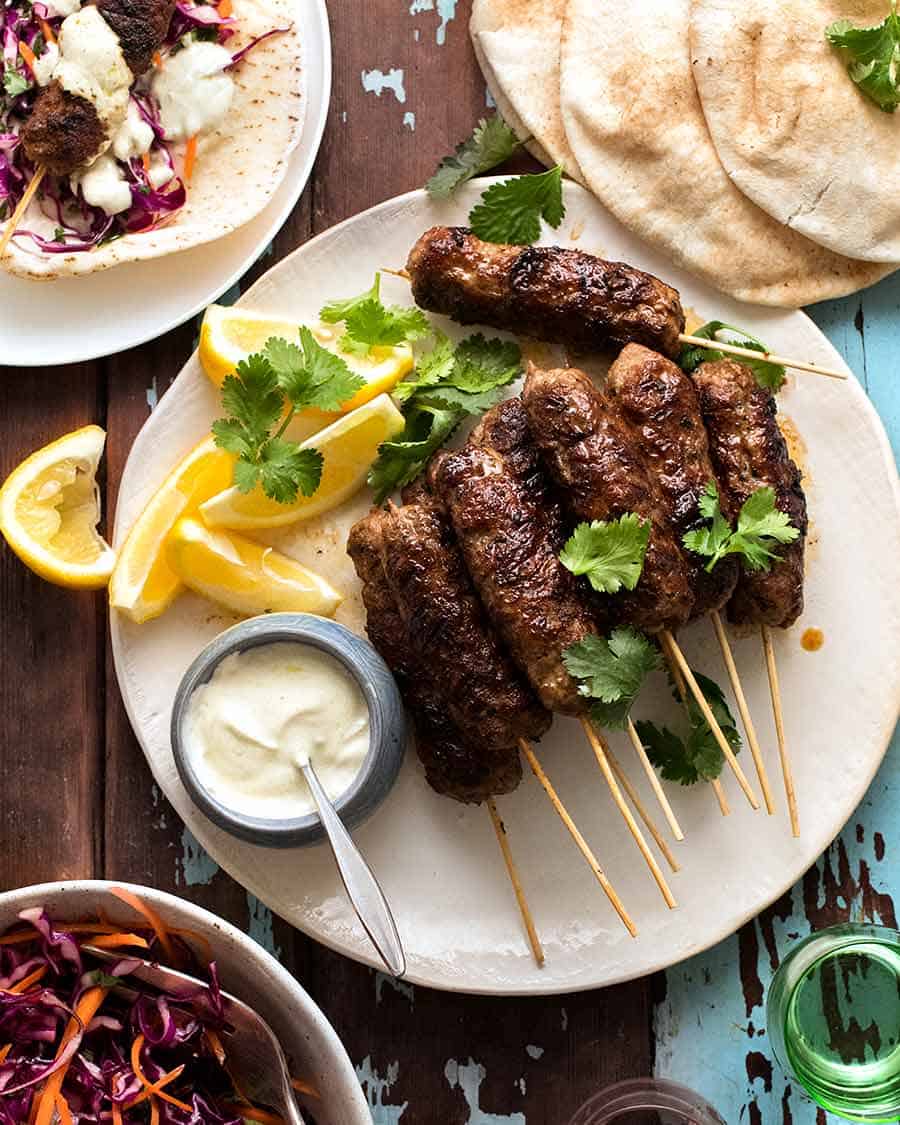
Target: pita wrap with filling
{"x": 635, "y": 124}
{"x": 238, "y": 165}
{"x": 790, "y": 126}
{"x": 517, "y": 44}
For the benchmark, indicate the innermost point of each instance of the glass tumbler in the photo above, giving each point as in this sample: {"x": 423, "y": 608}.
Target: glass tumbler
{"x": 646, "y": 1101}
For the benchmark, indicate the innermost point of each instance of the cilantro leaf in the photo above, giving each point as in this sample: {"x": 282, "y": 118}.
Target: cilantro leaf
{"x": 377, "y": 325}
{"x": 435, "y": 368}
{"x": 15, "y": 83}
{"x": 770, "y": 376}
{"x": 335, "y": 311}
{"x": 873, "y": 55}
{"x": 475, "y": 366}
{"x": 611, "y": 553}
{"x": 311, "y": 375}
{"x": 253, "y": 397}
{"x": 760, "y": 527}
{"x": 611, "y": 669}
{"x": 668, "y": 753}
{"x": 286, "y": 470}
{"x": 491, "y": 143}
{"x": 511, "y": 211}
{"x": 712, "y": 540}
{"x": 401, "y": 459}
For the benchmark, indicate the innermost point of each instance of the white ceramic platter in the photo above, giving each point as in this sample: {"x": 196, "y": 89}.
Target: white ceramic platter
{"x": 438, "y": 860}
{"x": 106, "y": 312}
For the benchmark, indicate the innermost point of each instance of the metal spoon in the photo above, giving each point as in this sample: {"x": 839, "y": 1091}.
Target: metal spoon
{"x": 360, "y": 883}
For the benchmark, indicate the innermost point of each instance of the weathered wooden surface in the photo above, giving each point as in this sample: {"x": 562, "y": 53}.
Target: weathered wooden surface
{"x": 77, "y": 798}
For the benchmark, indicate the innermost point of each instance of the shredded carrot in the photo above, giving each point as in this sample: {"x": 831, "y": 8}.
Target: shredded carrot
{"x": 152, "y": 917}
{"x": 19, "y": 937}
{"x": 251, "y": 1113}
{"x": 116, "y": 1114}
{"x": 145, "y": 160}
{"x": 154, "y": 1112}
{"x": 85, "y": 1011}
{"x": 157, "y": 60}
{"x": 4, "y": 1051}
{"x": 28, "y": 55}
{"x": 26, "y": 982}
{"x": 305, "y": 1088}
{"x": 47, "y": 32}
{"x": 212, "y": 1037}
{"x": 225, "y": 8}
{"x": 160, "y": 1084}
{"x": 112, "y": 941}
{"x": 65, "y": 1114}
{"x": 136, "y": 1048}
{"x": 190, "y": 155}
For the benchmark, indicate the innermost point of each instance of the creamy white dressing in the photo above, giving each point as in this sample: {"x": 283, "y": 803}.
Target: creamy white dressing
{"x": 193, "y": 90}
{"x": 61, "y": 7}
{"x": 45, "y": 65}
{"x": 133, "y": 137}
{"x": 160, "y": 171}
{"x": 264, "y": 711}
{"x": 103, "y": 185}
{"x": 92, "y": 66}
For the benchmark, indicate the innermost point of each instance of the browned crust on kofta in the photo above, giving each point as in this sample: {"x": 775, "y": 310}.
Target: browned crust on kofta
{"x": 141, "y": 26}
{"x": 63, "y": 131}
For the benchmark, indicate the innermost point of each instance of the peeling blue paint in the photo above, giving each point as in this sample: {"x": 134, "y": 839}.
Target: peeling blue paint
{"x": 376, "y": 82}
{"x": 409, "y": 120}
{"x": 534, "y": 1052}
{"x": 489, "y": 98}
{"x": 401, "y": 986}
{"x": 152, "y": 395}
{"x": 377, "y": 1088}
{"x": 446, "y": 10}
{"x": 564, "y": 1019}
{"x": 197, "y": 868}
{"x": 468, "y": 1077}
{"x": 259, "y": 925}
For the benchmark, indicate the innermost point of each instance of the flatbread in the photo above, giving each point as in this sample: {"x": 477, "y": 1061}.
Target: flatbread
{"x": 517, "y": 44}
{"x": 238, "y": 166}
{"x": 634, "y": 121}
{"x": 792, "y": 130}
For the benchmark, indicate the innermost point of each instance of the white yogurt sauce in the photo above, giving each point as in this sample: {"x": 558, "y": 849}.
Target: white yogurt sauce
{"x": 193, "y": 90}
{"x": 264, "y": 711}
{"x": 103, "y": 185}
{"x": 62, "y": 7}
{"x": 92, "y": 66}
{"x": 133, "y": 137}
{"x": 45, "y": 65}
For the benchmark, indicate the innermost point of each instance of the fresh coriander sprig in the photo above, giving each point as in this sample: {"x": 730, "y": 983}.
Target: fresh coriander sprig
{"x": 511, "y": 211}
{"x": 491, "y": 142}
{"x": 760, "y": 527}
{"x": 873, "y": 57}
{"x": 259, "y": 401}
{"x": 771, "y": 376}
{"x": 368, "y": 323}
{"x": 696, "y": 756}
{"x": 609, "y": 552}
{"x": 448, "y": 384}
{"x": 610, "y": 672}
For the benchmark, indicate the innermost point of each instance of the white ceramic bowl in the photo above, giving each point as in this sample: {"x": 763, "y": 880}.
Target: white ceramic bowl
{"x": 245, "y": 968}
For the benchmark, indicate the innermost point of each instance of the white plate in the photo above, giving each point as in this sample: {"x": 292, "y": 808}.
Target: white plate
{"x": 438, "y": 860}
{"x": 122, "y": 307}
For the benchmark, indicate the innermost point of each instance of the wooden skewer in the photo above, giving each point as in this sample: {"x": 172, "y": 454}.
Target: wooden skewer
{"x": 500, "y": 829}
{"x": 724, "y": 807}
{"x": 632, "y": 795}
{"x": 21, "y": 208}
{"x": 706, "y": 710}
{"x": 775, "y": 692}
{"x": 580, "y": 841}
{"x": 717, "y": 345}
{"x": 655, "y": 783}
{"x": 741, "y": 699}
{"x": 598, "y": 745}
{"x": 766, "y": 357}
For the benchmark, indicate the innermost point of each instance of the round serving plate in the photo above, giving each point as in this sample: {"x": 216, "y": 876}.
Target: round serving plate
{"x": 106, "y": 312}
{"x": 438, "y": 860}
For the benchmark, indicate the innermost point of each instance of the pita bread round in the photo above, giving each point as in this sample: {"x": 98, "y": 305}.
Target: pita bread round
{"x": 635, "y": 124}
{"x": 791, "y": 128}
{"x": 238, "y": 166}
{"x": 517, "y": 44}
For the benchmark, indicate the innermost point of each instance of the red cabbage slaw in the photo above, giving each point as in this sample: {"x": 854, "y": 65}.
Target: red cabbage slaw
{"x": 75, "y": 1051}
{"x": 26, "y": 28}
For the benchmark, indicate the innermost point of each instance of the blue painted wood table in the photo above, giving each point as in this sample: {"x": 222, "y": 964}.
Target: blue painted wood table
{"x": 76, "y": 797}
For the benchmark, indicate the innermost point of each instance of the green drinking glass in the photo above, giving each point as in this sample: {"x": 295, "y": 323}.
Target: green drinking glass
{"x": 833, "y": 1015}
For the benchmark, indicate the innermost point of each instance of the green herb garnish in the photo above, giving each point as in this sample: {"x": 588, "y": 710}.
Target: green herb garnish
{"x": 760, "y": 527}
{"x": 609, "y": 552}
{"x": 873, "y": 55}
{"x": 511, "y": 211}
{"x": 610, "y": 672}
{"x": 491, "y": 143}
{"x": 368, "y": 323}
{"x": 768, "y": 375}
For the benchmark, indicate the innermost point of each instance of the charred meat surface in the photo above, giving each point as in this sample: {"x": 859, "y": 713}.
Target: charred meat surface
{"x": 141, "y": 26}
{"x": 749, "y": 452}
{"x": 659, "y": 402}
{"x": 595, "y": 458}
{"x": 510, "y": 530}
{"x": 63, "y": 131}
{"x": 561, "y": 296}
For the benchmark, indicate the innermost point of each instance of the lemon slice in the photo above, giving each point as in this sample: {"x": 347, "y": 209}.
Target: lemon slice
{"x": 143, "y": 584}
{"x": 50, "y": 507}
{"x": 245, "y": 576}
{"x": 348, "y": 446}
{"x": 229, "y": 335}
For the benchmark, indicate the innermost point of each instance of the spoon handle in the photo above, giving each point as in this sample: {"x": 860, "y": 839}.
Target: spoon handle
{"x": 361, "y": 885}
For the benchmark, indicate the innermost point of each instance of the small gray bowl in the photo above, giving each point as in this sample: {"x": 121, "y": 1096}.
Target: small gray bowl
{"x": 387, "y": 723}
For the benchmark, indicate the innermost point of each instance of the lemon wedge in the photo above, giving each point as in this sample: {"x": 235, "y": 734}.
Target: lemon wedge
{"x": 49, "y": 510}
{"x": 229, "y": 335}
{"x": 245, "y": 576}
{"x": 348, "y": 447}
{"x": 143, "y": 584}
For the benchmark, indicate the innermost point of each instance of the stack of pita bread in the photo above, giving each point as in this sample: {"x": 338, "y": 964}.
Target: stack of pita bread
{"x": 725, "y": 132}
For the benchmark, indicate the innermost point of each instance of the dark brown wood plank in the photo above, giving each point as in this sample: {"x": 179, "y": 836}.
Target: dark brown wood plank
{"x": 51, "y": 657}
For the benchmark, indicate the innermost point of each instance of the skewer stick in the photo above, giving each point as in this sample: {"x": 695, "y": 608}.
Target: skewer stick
{"x": 706, "y": 710}
{"x": 746, "y": 719}
{"x": 632, "y": 795}
{"x": 775, "y": 691}
{"x": 500, "y": 830}
{"x": 580, "y": 841}
{"x": 655, "y": 783}
{"x": 767, "y": 357}
{"x": 724, "y": 807}
{"x": 598, "y": 745}
{"x": 717, "y": 345}
{"x": 21, "y": 208}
